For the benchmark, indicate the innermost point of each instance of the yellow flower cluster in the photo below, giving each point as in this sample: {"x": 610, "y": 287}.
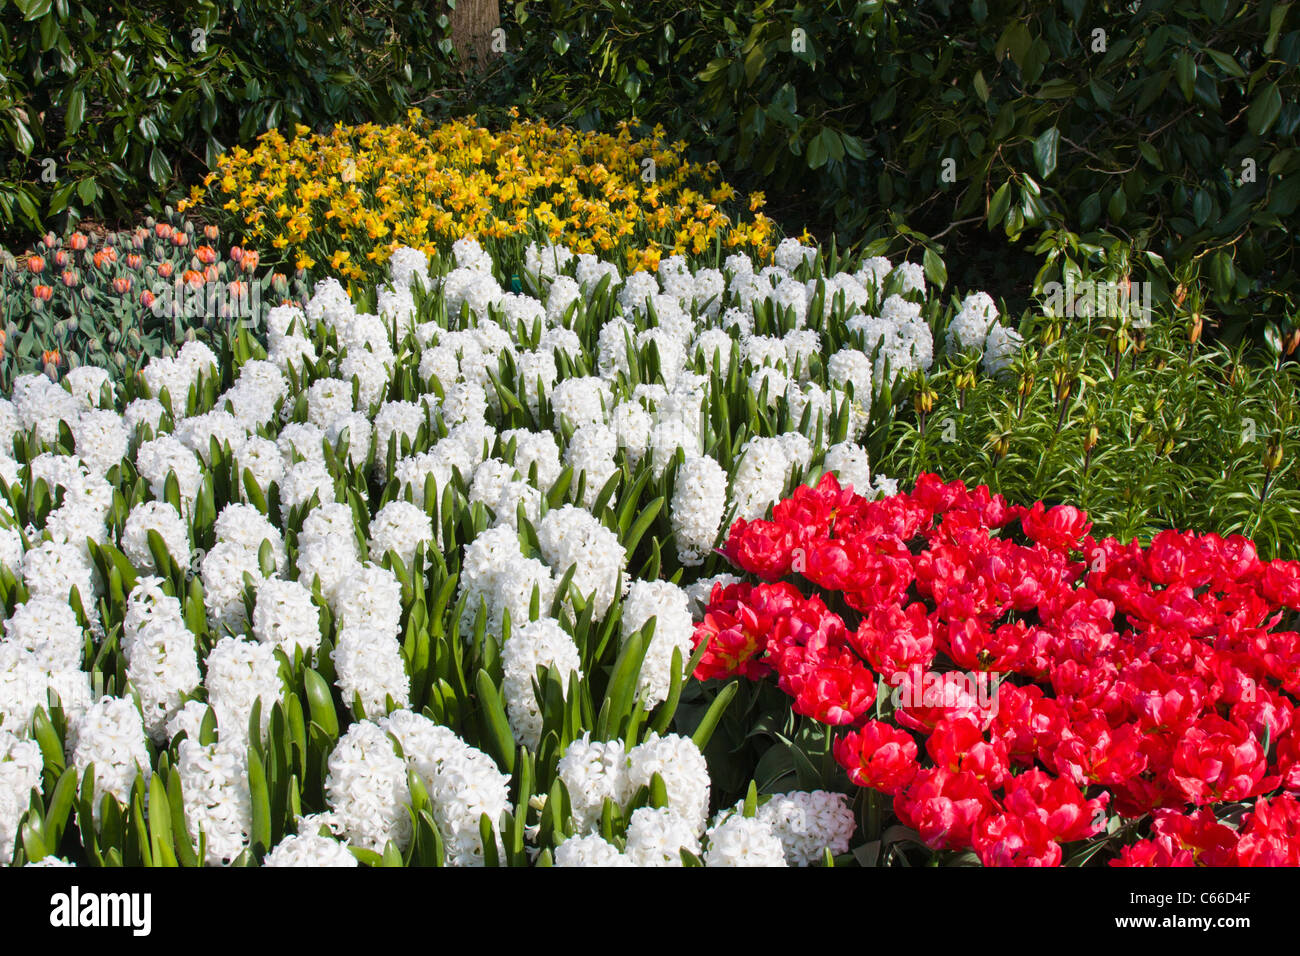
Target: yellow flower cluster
{"x": 349, "y": 197}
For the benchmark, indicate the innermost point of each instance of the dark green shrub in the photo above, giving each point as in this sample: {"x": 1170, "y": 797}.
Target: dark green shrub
{"x": 1173, "y": 129}
{"x": 107, "y": 106}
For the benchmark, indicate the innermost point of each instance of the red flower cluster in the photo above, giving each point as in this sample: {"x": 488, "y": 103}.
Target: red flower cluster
{"x": 1050, "y": 679}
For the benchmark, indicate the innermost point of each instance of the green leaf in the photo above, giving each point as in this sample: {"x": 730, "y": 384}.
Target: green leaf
{"x": 1185, "y": 74}
{"x": 704, "y": 731}
{"x": 33, "y": 9}
{"x": 500, "y": 742}
{"x": 999, "y": 204}
{"x": 260, "y": 834}
{"x": 321, "y": 703}
{"x": 935, "y": 270}
{"x": 1045, "y": 151}
{"x": 160, "y": 170}
{"x": 76, "y": 111}
{"x": 1264, "y": 110}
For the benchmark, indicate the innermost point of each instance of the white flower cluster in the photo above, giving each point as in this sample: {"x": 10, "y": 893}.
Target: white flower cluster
{"x": 667, "y": 605}
{"x": 310, "y": 847}
{"x": 111, "y": 737}
{"x": 20, "y": 774}
{"x": 542, "y": 643}
{"x": 596, "y": 771}
{"x": 162, "y": 661}
{"x": 463, "y": 783}
{"x": 976, "y": 328}
{"x": 804, "y": 824}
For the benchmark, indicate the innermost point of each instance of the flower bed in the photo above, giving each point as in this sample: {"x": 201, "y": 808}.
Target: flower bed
{"x": 418, "y": 586}
{"x": 114, "y": 300}
{"x": 1020, "y": 688}
{"x": 340, "y": 203}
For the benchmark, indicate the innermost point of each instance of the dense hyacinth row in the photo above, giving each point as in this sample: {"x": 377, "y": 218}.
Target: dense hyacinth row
{"x": 419, "y": 586}
{"x": 1017, "y": 686}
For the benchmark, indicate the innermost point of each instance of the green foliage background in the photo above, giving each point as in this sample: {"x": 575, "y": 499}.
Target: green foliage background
{"x": 1082, "y": 121}
{"x": 130, "y": 99}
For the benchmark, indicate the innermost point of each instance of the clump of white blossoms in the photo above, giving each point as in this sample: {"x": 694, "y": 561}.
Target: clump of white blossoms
{"x": 239, "y": 674}
{"x": 682, "y": 767}
{"x": 286, "y": 616}
{"x": 589, "y": 850}
{"x": 366, "y": 788}
{"x": 162, "y": 661}
{"x": 111, "y": 737}
{"x": 809, "y": 823}
{"x": 738, "y": 840}
{"x": 593, "y": 771}
{"x": 496, "y": 576}
{"x": 214, "y": 782}
{"x": 160, "y": 517}
{"x": 657, "y": 837}
{"x": 309, "y": 847}
{"x": 369, "y": 667}
{"x": 668, "y": 606}
{"x": 402, "y": 527}
{"x": 760, "y": 477}
{"x": 463, "y": 784}
{"x": 20, "y": 774}
{"x": 698, "y": 506}
{"x": 571, "y": 537}
{"x": 542, "y": 643}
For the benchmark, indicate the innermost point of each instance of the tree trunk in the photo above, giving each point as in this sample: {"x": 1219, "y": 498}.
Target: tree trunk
{"x": 472, "y": 23}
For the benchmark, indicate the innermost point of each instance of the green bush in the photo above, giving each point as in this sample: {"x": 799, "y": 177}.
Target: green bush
{"x": 108, "y": 106}
{"x": 1168, "y": 126}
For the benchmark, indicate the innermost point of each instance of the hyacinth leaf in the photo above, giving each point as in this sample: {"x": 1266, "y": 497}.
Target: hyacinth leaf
{"x": 608, "y": 825}
{"x": 139, "y": 824}
{"x": 61, "y": 800}
{"x": 320, "y": 702}
{"x": 523, "y": 784}
{"x": 551, "y": 827}
{"x": 391, "y": 856}
{"x": 751, "y": 800}
{"x": 32, "y": 839}
{"x": 180, "y": 834}
{"x": 260, "y": 833}
{"x": 658, "y": 792}
{"x": 704, "y": 732}
{"x": 621, "y": 691}
{"x": 366, "y": 857}
{"x": 500, "y": 742}
{"x": 606, "y": 493}
{"x": 558, "y": 490}
{"x": 630, "y": 501}
{"x": 488, "y": 836}
{"x": 112, "y": 827}
{"x": 427, "y": 841}
{"x": 667, "y": 710}
{"x": 51, "y": 746}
